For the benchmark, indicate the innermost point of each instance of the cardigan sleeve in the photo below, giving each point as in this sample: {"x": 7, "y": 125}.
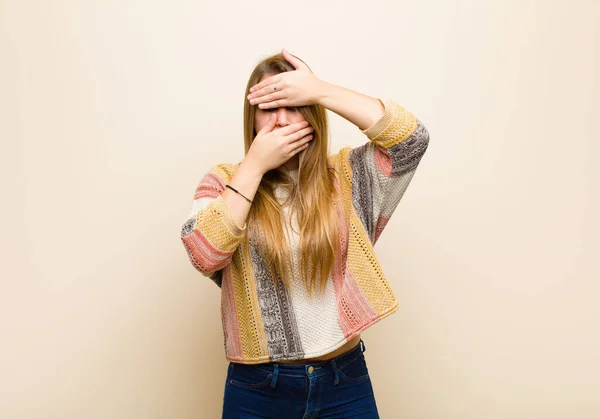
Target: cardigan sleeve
{"x": 383, "y": 168}
{"x": 210, "y": 235}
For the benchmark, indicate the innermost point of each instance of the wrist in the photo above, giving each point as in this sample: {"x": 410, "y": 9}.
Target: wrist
{"x": 324, "y": 92}
{"x": 251, "y": 169}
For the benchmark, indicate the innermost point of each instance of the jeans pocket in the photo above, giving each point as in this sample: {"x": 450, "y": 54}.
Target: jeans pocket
{"x": 355, "y": 369}
{"x": 248, "y": 376}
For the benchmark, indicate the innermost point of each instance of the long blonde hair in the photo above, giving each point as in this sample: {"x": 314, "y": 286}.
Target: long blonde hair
{"x": 311, "y": 200}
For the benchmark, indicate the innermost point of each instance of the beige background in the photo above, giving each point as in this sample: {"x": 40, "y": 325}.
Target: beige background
{"x": 111, "y": 111}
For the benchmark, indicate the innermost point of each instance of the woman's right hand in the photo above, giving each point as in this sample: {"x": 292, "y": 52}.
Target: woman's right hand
{"x": 273, "y": 147}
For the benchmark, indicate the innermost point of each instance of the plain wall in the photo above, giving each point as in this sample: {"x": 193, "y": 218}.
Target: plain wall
{"x": 112, "y": 111}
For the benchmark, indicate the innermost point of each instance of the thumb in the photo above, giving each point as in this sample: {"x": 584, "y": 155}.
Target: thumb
{"x": 270, "y": 123}
{"x": 293, "y": 60}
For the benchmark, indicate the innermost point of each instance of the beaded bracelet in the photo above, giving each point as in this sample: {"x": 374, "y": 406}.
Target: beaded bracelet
{"x": 235, "y": 190}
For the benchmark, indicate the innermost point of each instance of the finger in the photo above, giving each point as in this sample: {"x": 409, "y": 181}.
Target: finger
{"x": 267, "y": 97}
{"x": 301, "y": 144}
{"x": 266, "y": 93}
{"x": 277, "y": 103}
{"x": 292, "y": 128}
{"x": 270, "y": 123}
{"x": 274, "y": 86}
{"x": 293, "y": 60}
{"x": 304, "y": 139}
{"x": 300, "y": 134}
{"x": 266, "y": 82}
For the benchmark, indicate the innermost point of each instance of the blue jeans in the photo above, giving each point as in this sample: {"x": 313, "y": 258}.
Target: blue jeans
{"x": 337, "y": 388}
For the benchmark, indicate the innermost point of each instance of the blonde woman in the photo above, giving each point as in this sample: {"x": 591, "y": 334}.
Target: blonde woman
{"x": 288, "y": 234}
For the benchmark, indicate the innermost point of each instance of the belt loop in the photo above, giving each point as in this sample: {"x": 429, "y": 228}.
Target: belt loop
{"x": 337, "y": 375}
{"x": 275, "y": 373}
{"x": 363, "y": 348}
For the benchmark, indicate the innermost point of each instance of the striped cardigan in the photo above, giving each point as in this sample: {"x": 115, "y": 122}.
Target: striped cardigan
{"x": 263, "y": 321}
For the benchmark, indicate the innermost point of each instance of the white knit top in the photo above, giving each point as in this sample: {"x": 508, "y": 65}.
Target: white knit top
{"x": 317, "y": 318}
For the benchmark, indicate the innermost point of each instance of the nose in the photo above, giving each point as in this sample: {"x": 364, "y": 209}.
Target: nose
{"x": 282, "y": 116}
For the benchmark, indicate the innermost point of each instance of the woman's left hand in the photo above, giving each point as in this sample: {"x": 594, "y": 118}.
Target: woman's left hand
{"x": 299, "y": 87}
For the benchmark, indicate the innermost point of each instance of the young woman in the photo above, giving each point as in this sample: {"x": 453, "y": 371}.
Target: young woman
{"x": 288, "y": 236}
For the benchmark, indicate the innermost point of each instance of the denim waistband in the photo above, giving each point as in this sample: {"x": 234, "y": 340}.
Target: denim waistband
{"x": 311, "y": 369}
{"x": 298, "y": 368}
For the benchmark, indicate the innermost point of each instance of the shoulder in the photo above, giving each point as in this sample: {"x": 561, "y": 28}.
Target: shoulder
{"x": 342, "y": 162}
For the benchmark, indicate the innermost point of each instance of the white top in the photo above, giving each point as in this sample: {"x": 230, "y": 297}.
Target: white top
{"x": 318, "y": 317}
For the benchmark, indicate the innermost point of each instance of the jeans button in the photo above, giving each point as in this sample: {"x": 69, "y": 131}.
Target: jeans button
{"x": 310, "y": 369}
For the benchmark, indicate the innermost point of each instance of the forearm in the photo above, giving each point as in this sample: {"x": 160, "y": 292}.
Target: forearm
{"x": 246, "y": 180}
{"x": 362, "y": 110}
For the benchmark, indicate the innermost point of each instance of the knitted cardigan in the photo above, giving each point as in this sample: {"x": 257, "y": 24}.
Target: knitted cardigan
{"x": 262, "y": 319}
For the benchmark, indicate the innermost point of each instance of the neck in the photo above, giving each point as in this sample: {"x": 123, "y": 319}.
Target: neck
{"x": 291, "y": 164}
